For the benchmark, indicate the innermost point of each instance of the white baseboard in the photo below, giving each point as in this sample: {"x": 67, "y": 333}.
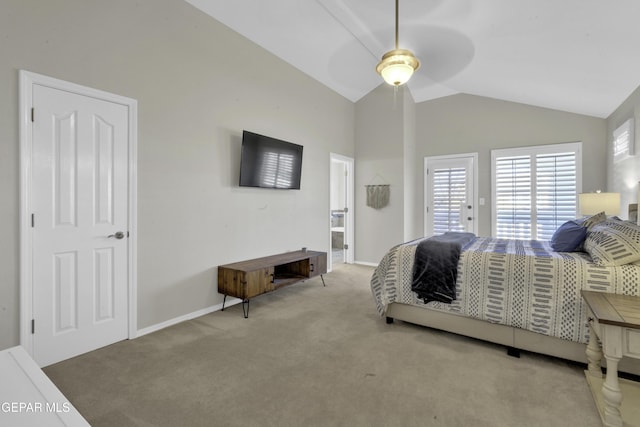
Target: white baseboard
{"x": 370, "y": 264}
{"x": 193, "y": 315}
{"x": 184, "y": 318}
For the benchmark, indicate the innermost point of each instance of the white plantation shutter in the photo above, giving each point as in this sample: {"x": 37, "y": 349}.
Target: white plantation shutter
{"x": 556, "y": 192}
{"x": 513, "y": 197}
{"x": 449, "y": 197}
{"x": 535, "y": 190}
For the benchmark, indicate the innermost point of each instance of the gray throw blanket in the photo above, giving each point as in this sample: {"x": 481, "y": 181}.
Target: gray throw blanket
{"x": 435, "y": 268}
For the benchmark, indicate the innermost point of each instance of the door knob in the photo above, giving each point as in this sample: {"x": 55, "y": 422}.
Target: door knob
{"x": 119, "y": 235}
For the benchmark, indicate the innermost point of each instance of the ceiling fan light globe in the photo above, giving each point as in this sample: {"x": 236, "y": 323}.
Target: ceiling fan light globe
{"x": 397, "y": 74}
{"x": 397, "y": 66}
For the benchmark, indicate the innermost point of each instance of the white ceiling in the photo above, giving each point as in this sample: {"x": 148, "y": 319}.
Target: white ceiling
{"x": 581, "y": 56}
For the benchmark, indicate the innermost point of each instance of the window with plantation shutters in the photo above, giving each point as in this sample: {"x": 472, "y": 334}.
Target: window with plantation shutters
{"x": 556, "y": 194}
{"x": 535, "y": 189}
{"x": 512, "y": 197}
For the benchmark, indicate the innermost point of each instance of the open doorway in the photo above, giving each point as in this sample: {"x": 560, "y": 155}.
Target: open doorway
{"x": 341, "y": 210}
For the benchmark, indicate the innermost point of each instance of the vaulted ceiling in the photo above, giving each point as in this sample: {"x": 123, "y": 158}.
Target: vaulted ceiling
{"x": 581, "y": 56}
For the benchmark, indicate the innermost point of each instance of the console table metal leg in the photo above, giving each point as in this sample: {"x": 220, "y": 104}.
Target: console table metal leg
{"x": 223, "y": 301}
{"x": 323, "y": 284}
{"x": 245, "y": 308}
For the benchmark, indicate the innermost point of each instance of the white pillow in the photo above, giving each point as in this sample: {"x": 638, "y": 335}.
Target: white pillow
{"x": 613, "y": 243}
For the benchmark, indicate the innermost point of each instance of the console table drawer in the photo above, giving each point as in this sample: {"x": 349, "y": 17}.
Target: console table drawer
{"x": 245, "y": 284}
{"x": 632, "y": 342}
{"x": 250, "y": 278}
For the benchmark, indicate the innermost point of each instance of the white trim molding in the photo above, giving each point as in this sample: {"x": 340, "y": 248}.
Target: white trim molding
{"x": 186, "y": 317}
{"x": 349, "y": 239}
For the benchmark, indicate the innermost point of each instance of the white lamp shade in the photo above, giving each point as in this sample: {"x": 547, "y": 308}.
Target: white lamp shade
{"x": 593, "y": 203}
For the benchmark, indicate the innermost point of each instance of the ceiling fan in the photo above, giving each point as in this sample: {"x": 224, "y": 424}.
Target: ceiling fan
{"x": 397, "y": 66}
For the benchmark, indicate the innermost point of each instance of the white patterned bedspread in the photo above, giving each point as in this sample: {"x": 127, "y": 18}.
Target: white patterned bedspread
{"x": 520, "y": 283}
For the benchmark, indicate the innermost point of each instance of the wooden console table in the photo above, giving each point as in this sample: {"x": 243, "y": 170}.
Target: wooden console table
{"x": 254, "y": 277}
{"x": 615, "y": 320}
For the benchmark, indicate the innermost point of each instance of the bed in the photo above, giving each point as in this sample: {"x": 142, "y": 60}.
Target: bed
{"x": 519, "y": 293}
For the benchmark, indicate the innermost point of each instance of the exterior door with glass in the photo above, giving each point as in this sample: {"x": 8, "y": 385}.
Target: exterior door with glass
{"x": 450, "y": 194}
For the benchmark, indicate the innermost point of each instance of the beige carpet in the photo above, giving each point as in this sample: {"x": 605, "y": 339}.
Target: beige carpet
{"x": 310, "y": 355}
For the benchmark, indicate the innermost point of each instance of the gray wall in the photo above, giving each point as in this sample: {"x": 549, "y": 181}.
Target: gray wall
{"x": 394, "y": 136}
{"x": 623, "y": 176}
{"x": 198, "y": 85}
{"x": 380, "y": 159}
{"x": 412, "y": 173}
{"x": 467, "y": 123}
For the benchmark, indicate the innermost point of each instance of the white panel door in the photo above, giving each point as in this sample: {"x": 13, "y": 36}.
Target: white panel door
{"x": 450, "y": 194}
{"x": 80, "y": 224}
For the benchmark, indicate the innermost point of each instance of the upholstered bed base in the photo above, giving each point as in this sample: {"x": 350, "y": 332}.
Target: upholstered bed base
{"x": 513, "y": 338}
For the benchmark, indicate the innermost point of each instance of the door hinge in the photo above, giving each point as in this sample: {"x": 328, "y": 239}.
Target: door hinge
{"x": 33, "y": 220}
{"x": 346, "y": 246}
{"x": 33, "y": 114}
{"x": 346, "y": 210}
{"x": 33, "y": 326}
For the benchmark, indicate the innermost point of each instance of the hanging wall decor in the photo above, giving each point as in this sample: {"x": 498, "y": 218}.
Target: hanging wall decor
{"x": 378, "y": 196}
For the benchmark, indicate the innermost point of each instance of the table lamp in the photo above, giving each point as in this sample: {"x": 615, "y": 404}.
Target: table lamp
{"x": 593, "y": 203}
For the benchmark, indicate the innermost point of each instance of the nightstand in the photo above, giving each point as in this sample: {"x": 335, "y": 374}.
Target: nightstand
{"x": 615, "y": 321}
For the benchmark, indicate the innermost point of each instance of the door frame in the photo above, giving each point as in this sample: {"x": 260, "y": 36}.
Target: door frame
{"x": 474, "y": 158}
{"x": 27, "y": 81}
{"x": 349, "y": 196}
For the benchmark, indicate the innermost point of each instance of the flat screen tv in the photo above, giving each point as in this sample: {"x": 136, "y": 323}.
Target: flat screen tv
{"x": 269, "y": 163}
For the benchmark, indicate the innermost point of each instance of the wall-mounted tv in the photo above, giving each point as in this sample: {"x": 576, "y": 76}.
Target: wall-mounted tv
{"x": 269, "y": 163}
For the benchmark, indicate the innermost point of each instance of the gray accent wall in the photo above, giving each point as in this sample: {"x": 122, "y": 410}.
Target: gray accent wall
{"x": 198, "y": 85}
{"x": 394, "y": 137}
{"x": 468, "y": 123}
{"x": 412, "y": 173}
{"x": 382, "y": 141}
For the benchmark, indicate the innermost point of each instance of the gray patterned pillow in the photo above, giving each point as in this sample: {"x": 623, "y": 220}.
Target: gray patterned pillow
{"x": 592, "y": 220}
{"x": 613, "y": 243}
